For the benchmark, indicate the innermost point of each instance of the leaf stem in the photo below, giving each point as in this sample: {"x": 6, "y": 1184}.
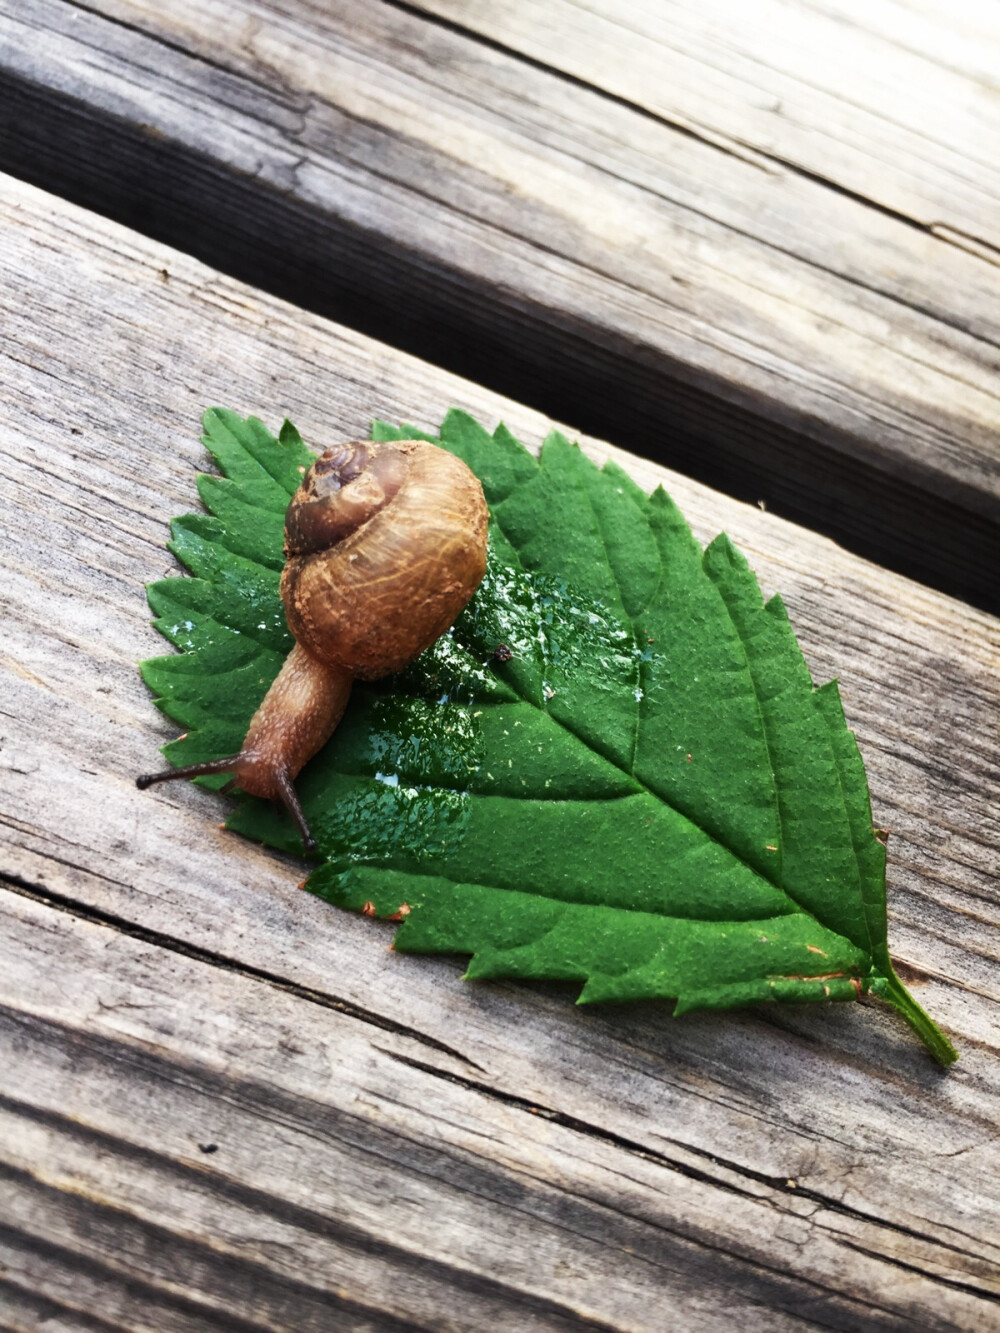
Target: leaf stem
{"x": 921, "y": 1022}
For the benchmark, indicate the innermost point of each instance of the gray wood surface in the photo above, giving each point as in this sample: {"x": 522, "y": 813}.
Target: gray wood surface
{"x": 892, "y": 101}
{"x": 757, "y": 249}
{"x": 227, "y": 1105}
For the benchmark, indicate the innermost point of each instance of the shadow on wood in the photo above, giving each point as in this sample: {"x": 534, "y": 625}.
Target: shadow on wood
{"x": 579, "y": 370}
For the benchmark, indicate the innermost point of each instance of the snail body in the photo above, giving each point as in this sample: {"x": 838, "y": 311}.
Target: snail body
{"x": 385, "y": 543}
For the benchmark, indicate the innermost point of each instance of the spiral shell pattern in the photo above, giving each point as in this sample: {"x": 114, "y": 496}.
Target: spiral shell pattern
{"x": 385, "y": 544}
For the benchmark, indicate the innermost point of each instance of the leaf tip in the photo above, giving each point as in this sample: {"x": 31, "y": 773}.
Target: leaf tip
{"x": 289, "y": 436}
{"x": 723, "y": 548}
{"x": 216, "y": 416}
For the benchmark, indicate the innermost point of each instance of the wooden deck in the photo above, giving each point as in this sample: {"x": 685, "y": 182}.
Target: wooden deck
{"x": 226, "y": 1105}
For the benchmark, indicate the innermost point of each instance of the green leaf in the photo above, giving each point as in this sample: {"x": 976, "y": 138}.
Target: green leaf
{"x": 645, "y": 794}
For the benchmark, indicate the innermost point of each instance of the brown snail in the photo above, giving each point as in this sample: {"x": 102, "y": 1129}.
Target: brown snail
{"x": 385, "y": 543}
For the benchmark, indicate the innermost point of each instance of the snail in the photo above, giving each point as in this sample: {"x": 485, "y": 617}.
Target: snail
{"x": 385, "y": 543}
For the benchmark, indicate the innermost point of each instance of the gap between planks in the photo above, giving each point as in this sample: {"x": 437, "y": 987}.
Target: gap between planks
{"x": 755, "y": 329}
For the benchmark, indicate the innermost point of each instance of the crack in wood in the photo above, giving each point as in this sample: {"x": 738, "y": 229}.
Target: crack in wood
{"x": 786, "y": 1290}
{"x": 44, "y": 1311}
{"x": 109, "y": 1274}
{"x": 83, "y": 911}
{"x": 283, "y": 1210}
{"x": 777, "y": 1184}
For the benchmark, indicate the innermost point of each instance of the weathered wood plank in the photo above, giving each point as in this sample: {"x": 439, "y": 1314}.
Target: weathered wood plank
{"x": 388, "y": 1133}
{"x": 347, "y": 1180}
{"x": 893, "y": 101}
{"x": 733, "y": 317}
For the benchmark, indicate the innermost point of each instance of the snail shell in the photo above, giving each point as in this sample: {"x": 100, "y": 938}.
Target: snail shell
{"x": 384, "y": 543}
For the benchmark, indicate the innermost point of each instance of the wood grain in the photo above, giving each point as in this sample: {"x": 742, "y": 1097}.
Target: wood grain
{"x": 716, "y": 308}
{"x": 394, "y": 1147}
{"x": 892, "y": 101}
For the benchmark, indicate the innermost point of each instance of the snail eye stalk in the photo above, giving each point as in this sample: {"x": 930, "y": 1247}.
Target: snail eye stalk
{"x": 282, "y": 780}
